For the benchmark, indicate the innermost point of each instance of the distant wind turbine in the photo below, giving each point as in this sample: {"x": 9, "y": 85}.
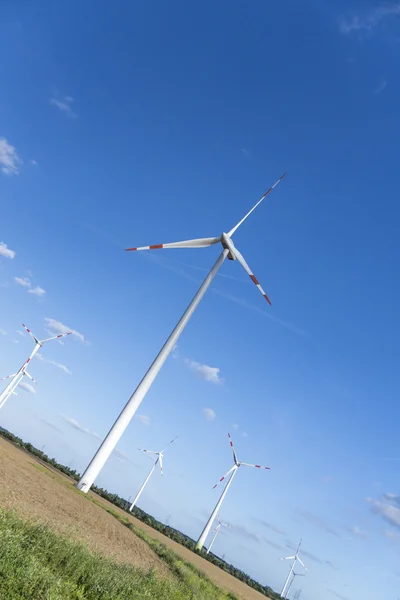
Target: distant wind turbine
{"x": 158, "y": 461}
{"x": 229, "y": 251}
{"x": 217, "y": 530}
{"x": 291, "y": 582}
{"x": 295, "y": 558}
{"x": 232, "y": 470}
{"x": 17, "y": 377}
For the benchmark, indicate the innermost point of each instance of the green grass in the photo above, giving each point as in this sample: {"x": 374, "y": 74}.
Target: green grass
{"x": 38, "y": 564}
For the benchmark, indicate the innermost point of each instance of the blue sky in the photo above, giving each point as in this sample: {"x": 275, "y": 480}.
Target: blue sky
{"x": 153, "y": 122}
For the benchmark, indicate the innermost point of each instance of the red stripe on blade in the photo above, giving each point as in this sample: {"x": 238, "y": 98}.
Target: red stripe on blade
{"x": 267, "y": 299}
{"x": 254, "y": 280}
{"x": 130, "y": 249}
{"x": 156, "y": 247}
{"x": 257, "y": 466}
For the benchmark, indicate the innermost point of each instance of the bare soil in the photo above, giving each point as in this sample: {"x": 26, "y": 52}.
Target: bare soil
{"x": 42, "y": 494}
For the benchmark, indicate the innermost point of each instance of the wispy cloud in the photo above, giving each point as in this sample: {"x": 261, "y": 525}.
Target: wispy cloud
{"x": 58, "y": 327}
{"x": 209, "y": 414}
{"x": 9, "y": 159}
{"x": 5, "y": 251}
{"x": 356, "y": 531}
{"x": 54, "y": 363}
{"x": 387, "y": 509}
{"x": 143, "y": 419}
{"x": 317, "y": 521}
{"x": 38, "y": 291}
{"x": 370, "y": 20}
{"x": 381, "y": 87}
{"x": 33, "y": 162}
{"x": 305, "y": 552}
{"x": 79, "y": 427}
{"x": 245, "y": 153}
{"x": 270, "y": 526}
{"x": 20, "y": 332}
{"x": 24, "y": 281}
{"x": 64, "y": 105}
{"x": 243, "y": 532}
{"x": 205, "y": 372}
{"x": 3, "y": 332}
{"x": 27, "y": 387}
{"x": 50, "y": 424}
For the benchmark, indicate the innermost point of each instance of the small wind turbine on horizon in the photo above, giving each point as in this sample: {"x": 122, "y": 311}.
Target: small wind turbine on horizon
{"x": 217, "y": 530}
{"x": 158, "y": 461}
{"x": 295, "y": 558}
{"x": 232, "y": 471}
{"x": 229, "y": 251}
{"x": 291, "y": 582}
{"x": 17, "y": 377}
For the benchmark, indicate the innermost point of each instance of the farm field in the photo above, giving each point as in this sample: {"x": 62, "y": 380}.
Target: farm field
{"x": 41, "y": 494}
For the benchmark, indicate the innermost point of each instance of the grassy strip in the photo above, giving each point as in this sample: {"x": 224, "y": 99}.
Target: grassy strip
{"x": 200, "y": 587}
{"x": 36, "y": 563}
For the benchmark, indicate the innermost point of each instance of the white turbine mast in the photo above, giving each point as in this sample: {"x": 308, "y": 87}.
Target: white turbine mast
{"x": 232, "y": 472}
{"x": 17, "y": 377}
{"x": 295, "y": 558}
{"x": 158, "y": 461}
{"x": 291, "y": 582}
{"x": 217, "y": 530}
{"x": 228, "y": 251}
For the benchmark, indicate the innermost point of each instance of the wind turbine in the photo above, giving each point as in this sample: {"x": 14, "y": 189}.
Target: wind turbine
{"x": 17, "y": 377}
{"x": 158, "y": 461}
{"x": 233, "y": 471}
{"x": 217, "y": 530}
{"x": 229, "y": 251}
{"x": 295, "y": 558}
{"x": 291, "y": 583}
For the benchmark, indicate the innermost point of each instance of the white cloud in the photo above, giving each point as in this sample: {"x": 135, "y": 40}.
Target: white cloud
{"x": 3, "y": 332}
{"x": 76, "y": 425}
{"x": 9, "y": 159}
{"x": 27, "y": 387}
{"x": 209, "y": 414}
{"x": 388, "y": 512}
{"x": 245, "y": 434}
{"x": 33, "y": 162}
{"x": 235, "y": 426}
{"x": 369, "y": 21}
{"x": 19, "y": 332}
{"x": 16, "y": 341}
{"x": 38, "y": 291}
{"x": 54, "y": 363}
{"x": 5, "y": 251}
{"x": 58, "y": 327}
{"x": 24, "y": 281}
{"x": 64, "y": 105}
{"x": 144, "y": 419}
{"x": 208, "y": 373}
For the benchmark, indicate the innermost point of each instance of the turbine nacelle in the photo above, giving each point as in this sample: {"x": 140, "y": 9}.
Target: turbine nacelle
{"x": 228, "y": 245}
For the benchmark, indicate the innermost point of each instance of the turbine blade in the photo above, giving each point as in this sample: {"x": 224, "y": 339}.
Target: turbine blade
{"x": 54, "y": 337}
{"x": 197, "y": 243}
{"x": 226, "y": 475}
{"x": 8, "y": 377}
{"x": 160, "y": 459}
{"x": 169, "y": 443}
{"x": 31, "y": 334}
{"x": 233, "y": 448}
{"x": 302, "y": 564}
{"x": 256, "y": 466}
{"x": 246, "y": 267}
{"x": 232, "y": 231}
{"x": 148, "y": 451}
{"x": 30, "y": 376}
{"x": 288, "y": 558}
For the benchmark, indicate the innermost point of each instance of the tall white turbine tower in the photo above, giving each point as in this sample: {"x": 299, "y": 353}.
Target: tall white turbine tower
{"x": 295, "y": 558}
{"x": 229, "y": 251}
{"x": 17, "y": 377}
{"x": 232, "y": 471}
{"x": 158, "y": 461}
{"x": 217, "y": 530}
